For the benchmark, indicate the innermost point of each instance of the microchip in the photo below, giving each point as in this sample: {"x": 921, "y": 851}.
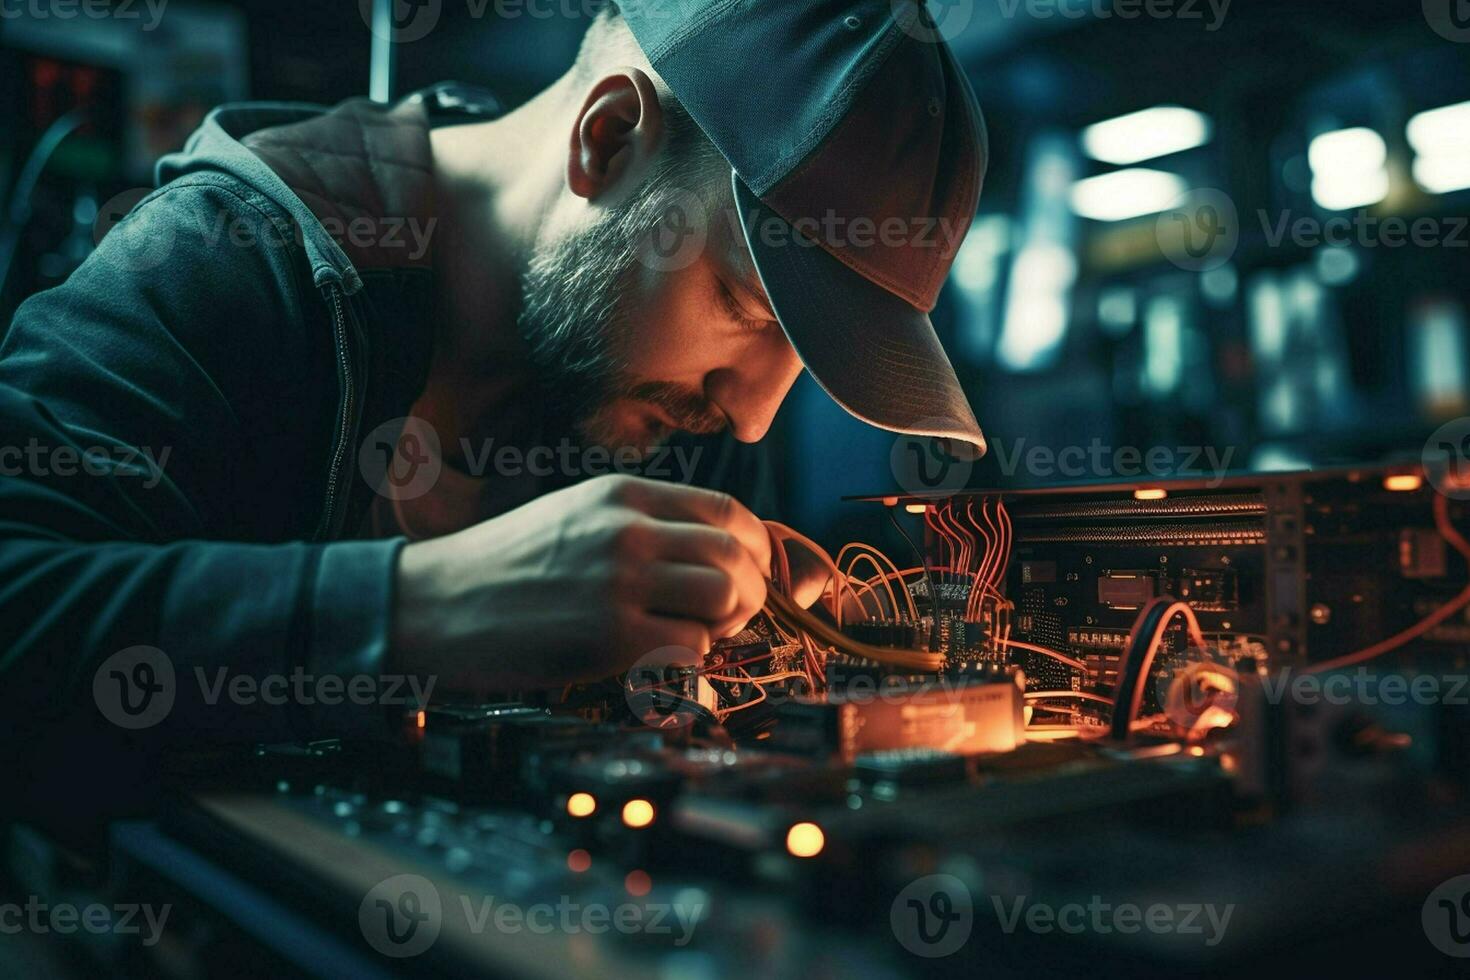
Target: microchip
{"x": 1125, "y": 590}
{"x": 1038, "y": 571}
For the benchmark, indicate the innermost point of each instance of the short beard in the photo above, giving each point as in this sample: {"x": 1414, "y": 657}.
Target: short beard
{"x": 572, "y": 319}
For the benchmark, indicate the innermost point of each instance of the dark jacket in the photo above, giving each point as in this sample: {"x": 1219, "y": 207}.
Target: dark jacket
{"x": 222, "y": 329}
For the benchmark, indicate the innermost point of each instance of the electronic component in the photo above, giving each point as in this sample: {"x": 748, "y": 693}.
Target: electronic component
{"x": 966, "y": 716}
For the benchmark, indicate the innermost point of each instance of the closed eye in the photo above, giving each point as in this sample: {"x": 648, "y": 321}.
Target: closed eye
{"x": 732, "y": 306}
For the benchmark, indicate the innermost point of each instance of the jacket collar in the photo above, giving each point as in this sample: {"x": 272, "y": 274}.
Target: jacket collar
{"x": 356, "y": 179}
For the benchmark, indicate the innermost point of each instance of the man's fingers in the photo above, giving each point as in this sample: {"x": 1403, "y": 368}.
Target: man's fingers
{"x": 675, "y": 502}
{"x": 662, "y": 632}
{"x": 723, "y": 599}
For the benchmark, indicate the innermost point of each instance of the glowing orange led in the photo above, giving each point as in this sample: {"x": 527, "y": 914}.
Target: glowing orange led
{"x": 637, "y": 813}
{"x": 1150, "y": 493}
{"x": 421, "y": 719}
{"x": 579, "y": 860}
{"x": 890, "y": 501}
{"x": 638, "y": 883}
{"x": 581, "y": 804}
{"x": 1403, "y": 482}
{"x": 916, "y": 508}
{"x": 805, "y": 840}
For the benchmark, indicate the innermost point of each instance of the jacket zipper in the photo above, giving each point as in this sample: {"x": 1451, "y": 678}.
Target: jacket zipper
{"x": 339, "y": 450}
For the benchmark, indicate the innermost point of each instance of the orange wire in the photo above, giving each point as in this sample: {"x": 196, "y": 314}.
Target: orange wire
{"x": 1458, "y": 542}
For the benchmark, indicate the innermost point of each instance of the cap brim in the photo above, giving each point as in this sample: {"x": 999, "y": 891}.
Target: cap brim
{"x": 874, "y": 353}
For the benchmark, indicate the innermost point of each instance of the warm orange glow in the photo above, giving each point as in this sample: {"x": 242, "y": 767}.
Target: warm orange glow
{"x": 916, "y": 508}
{"x": 637, "y": 813}
{"x": 1150, "y": 493}
{"x": 805, "y": 840}
{"x": 890, "y": 501}
{"x": 579, "y": 860}
{"x": 638, "y": 883}
{"x": 1403, "y": 482}
{"x": 581, "y": 804}
{"x": 422, "y": 719}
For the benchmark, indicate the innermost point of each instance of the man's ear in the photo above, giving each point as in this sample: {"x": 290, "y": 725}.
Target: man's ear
{"x": 615, "y": 135}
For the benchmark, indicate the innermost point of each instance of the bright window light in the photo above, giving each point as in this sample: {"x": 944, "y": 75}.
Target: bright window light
{"x": 1036, "y": 307}
{"x": 1342, "y": 192}
{"x": 1347, "y": 150}
{"x": 1442, "y": 174}
{"x": 1349, "y": 168}
{"x": 1147, "y": 134}
{"x": 1126, "y": 194}
{"x": 1439, "y": 130}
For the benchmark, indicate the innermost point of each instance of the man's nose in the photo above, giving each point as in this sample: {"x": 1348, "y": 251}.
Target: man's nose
{"x": 750, "y": 391}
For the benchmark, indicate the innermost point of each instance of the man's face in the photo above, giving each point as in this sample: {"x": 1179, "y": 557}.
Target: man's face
{"x": 636, "y": 338}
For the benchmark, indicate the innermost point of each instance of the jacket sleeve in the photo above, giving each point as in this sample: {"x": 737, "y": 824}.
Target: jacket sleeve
{"x": 168, "y": 403}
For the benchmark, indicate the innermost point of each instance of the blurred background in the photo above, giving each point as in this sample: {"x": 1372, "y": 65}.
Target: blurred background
{"x": 1231, "y": 227}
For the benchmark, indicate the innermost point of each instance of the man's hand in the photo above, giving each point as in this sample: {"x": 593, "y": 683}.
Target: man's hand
{"x": 579, "y": 584}
{"x": 810, "y": 574}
